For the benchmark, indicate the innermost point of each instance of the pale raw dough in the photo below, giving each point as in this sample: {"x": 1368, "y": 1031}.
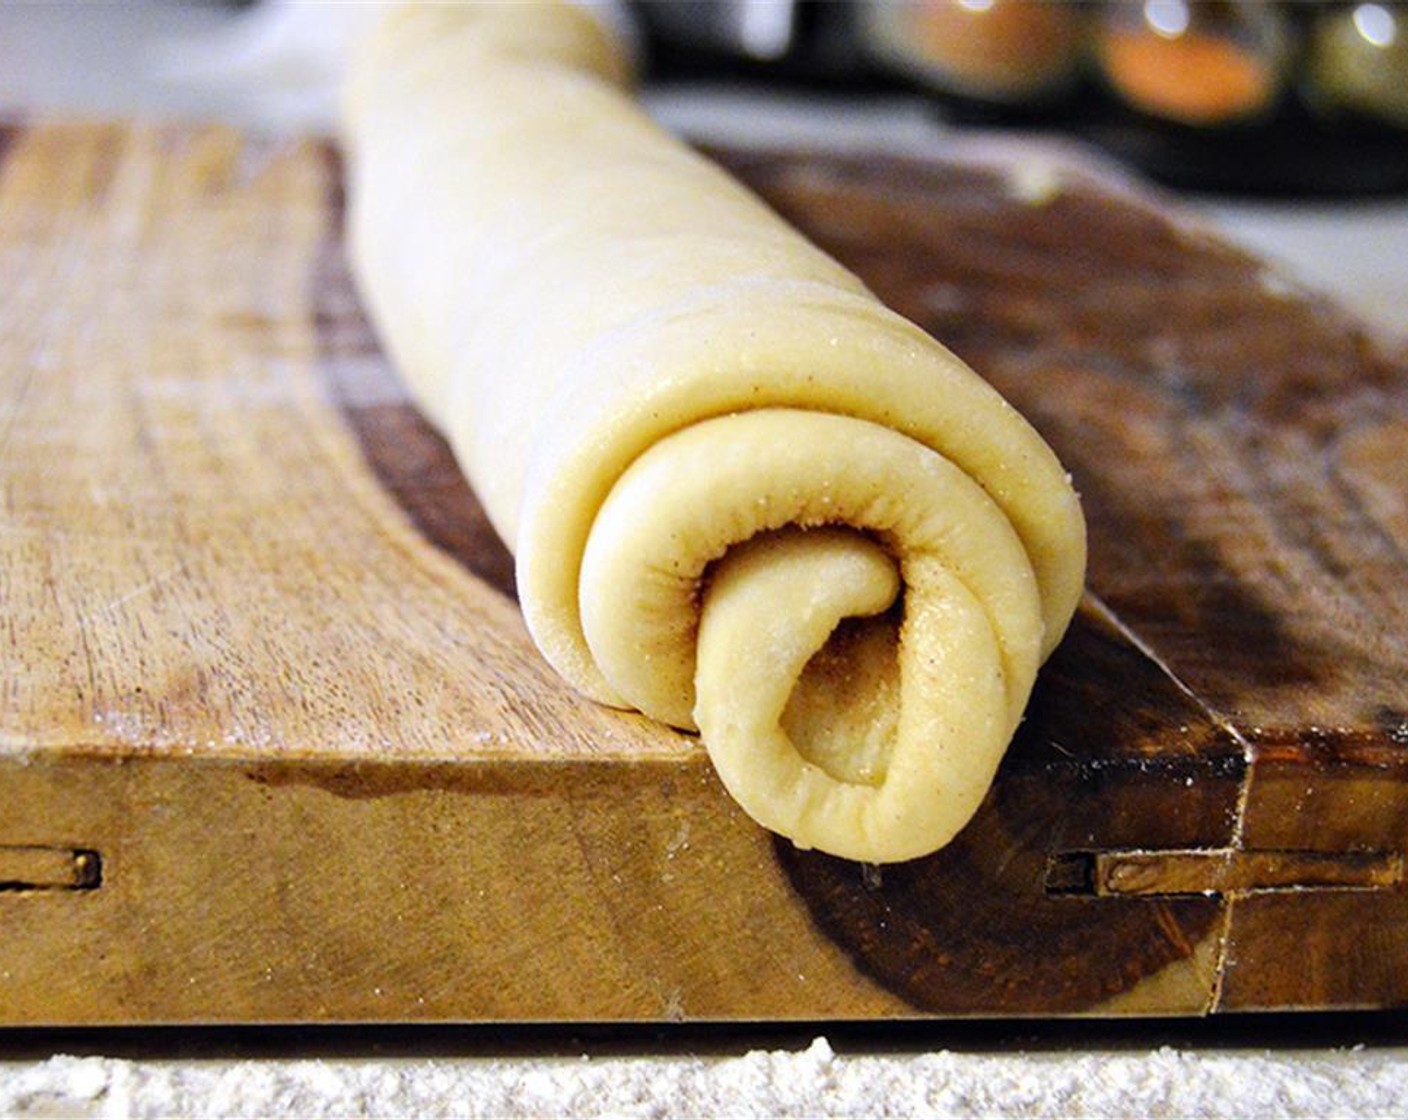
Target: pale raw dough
{"x": 706, "y": 443}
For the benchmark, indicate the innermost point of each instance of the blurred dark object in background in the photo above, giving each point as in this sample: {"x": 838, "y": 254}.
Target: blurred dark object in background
{"x": 1357, "y": 63}
{"x": 810, "y": 41}
{"x": 1268, "y": 97}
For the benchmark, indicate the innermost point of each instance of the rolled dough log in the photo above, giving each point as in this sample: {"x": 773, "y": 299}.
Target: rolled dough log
{"x": 742, "y": 495}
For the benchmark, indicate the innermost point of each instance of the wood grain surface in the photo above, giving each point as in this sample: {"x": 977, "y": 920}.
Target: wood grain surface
{"x": 274, "y": 744}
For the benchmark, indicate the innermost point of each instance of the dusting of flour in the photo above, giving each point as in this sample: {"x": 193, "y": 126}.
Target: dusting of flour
{"x": 805, "y": 1083}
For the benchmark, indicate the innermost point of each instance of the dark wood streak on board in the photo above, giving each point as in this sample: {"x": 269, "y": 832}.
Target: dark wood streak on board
{"x": 10, "y": 127}
{"x": 401, "y": 447}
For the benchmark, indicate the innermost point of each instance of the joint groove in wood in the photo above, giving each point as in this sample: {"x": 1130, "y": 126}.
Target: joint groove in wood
{"x": 36, "y": 867}
{"x": 1219, "y": 871}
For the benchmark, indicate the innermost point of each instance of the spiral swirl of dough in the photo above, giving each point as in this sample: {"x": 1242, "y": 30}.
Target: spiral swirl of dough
{"x": 812, "y": 519}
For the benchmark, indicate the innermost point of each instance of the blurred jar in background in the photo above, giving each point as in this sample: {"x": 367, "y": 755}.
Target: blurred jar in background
{"x": 1357, "y": 64}
{"x": 1008, "y": 52}
{"x": 1204, "y": 64}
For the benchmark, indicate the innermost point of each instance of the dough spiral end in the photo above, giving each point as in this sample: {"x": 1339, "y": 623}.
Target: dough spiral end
{"x": 717, "y": 608}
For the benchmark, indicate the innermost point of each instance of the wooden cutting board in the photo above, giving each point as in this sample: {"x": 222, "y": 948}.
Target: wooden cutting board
{"x": 274, "y": 745}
